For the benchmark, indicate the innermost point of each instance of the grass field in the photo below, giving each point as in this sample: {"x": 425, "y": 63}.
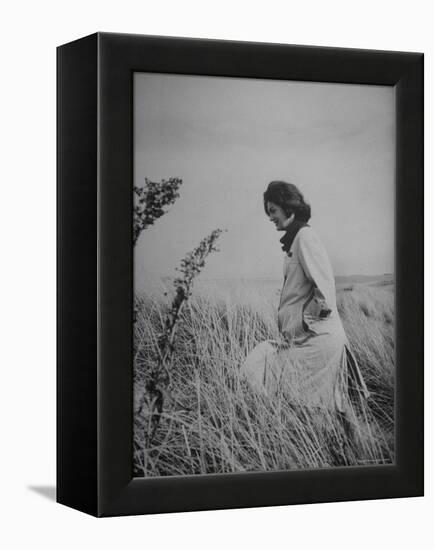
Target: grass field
{"x": 213, "y": 422}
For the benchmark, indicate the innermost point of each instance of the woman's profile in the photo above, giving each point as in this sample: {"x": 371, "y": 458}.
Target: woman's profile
{"x": 312, "y": 356}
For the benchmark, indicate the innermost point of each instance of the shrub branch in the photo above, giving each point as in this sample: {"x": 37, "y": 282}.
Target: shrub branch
{"x": 159, "y": 380}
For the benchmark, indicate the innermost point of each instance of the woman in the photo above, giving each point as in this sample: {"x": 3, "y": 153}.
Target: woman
{"x": 312, "y": 358}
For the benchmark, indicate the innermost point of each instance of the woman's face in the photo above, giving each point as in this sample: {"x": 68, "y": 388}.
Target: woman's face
{"x": 278, "y": 217}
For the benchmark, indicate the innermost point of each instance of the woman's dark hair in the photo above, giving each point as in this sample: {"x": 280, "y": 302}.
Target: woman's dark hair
{"x": 289, "y": 198}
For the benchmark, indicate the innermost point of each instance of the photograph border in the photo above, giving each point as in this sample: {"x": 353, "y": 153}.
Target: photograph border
{"x": 95, "y": 273}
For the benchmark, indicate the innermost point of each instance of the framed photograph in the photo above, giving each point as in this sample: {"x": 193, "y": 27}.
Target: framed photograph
{"x": 240, "y": 274}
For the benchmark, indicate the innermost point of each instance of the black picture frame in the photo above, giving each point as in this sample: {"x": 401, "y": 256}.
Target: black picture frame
{"x": 95, "y": 273}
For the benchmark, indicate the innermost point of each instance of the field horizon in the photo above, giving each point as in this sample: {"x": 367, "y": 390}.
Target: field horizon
{"x": 212, "y": 422}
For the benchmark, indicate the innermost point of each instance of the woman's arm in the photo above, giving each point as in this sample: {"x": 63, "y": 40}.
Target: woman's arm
{"x": 316, "y": 266}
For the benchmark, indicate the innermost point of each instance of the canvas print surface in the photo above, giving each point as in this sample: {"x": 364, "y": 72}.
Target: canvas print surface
{"x": 264, "y": 293}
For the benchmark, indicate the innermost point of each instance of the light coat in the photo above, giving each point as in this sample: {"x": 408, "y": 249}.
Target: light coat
{"x": 312, "y": 358}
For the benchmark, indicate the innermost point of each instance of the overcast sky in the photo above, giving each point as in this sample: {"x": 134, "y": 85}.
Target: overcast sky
{"x": 227, "y": 138}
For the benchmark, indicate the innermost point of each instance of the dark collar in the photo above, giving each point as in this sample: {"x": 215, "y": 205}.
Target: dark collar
{"x": 289, "y": 236}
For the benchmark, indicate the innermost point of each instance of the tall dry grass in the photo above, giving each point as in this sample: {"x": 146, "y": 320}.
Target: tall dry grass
{"x": 213, "y": 422}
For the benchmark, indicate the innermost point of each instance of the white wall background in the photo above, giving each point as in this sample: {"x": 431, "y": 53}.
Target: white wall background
{"x": 30, "y": 33}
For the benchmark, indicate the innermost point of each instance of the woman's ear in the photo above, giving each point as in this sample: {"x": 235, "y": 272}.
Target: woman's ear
{"x": 290, "y": 219}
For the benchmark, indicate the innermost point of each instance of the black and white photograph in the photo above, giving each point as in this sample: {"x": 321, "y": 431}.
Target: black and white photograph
{"x": 216, "y": 275}
{"x": 264, "y": 269}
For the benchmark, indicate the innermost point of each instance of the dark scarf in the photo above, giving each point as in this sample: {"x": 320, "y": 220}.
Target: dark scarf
{"x": 291, "y": 232}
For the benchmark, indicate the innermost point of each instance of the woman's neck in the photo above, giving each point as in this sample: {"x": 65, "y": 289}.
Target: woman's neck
{"x": 291, "y": 231}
